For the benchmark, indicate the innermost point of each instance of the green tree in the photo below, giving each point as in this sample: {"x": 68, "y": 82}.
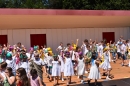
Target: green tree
{"x": 67, "y": 4}
{"x": 54, "y": 4}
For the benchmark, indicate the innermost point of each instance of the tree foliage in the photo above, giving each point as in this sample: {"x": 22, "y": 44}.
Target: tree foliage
{"x": 67, "y": 4}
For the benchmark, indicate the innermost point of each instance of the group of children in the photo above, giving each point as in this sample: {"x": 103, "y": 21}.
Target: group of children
{"x": 21, "y": 68}
{"x": 89, "y": 58}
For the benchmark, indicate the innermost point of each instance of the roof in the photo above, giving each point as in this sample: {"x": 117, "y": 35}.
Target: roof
{"x": 64, "y": 12}
{"x": 57, "y": 19}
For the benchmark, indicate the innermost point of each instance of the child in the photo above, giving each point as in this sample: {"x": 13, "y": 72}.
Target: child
{"x": 24, "y": 62}
{"x": 34, "y": 78}
{"x": 61, "y": 59}
{"x": 88, "y": 58}
{"x": 30, "y": 54}
{"x": 94, "y": 70}
{"x": 68, "y": 70}
{"x": 21, "y": 77}
{"x": 11, "y": 62}
{"x": 49, "y": 65}
{"x": 38, "y": 64}
{"x": 81, "y": 67}
{"x": 113, "y": 51}
{"x": 106, "y": 64}
{"x": 56, "y": 70}
{"x": 76, "y": 54}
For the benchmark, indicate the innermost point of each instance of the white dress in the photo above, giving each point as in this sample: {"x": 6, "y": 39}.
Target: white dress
{"x": 94, "y": 71}
{"x": 106, "y": 64}
{"x": 81, "y": 66}
{"x": 56, "y": 68}
{"x": 62, "y": 63}
{"x": 68, "y": 69}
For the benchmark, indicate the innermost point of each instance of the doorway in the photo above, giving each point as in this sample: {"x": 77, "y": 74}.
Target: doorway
{"x": 38, "y": 39}
{"x": 108, "y": 36}
{"x": 3, "y": 40}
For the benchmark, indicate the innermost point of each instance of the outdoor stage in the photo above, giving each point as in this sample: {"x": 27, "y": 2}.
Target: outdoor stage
{"x": 121, "y": 78}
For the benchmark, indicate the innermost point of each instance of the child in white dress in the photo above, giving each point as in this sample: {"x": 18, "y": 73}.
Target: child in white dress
{"x": 106, "y": 64}
{"x": 61, "y": 59}
{"x": 56, "y": 70}
{"x": 94, "y": 70}
{"x": 81, "y": 67}
{"x": 68, "y": 71}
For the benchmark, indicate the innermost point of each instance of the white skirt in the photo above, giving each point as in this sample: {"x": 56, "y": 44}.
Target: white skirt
{"x": 81, "y": 69}
{"x": 68, "y": 70}
{"x": 94, "y": 73}
{"x": 105, "y": 65}
{"x": 56, "y": 71}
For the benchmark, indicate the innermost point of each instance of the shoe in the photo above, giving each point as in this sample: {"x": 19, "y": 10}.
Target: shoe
{"x": 107, "y": 78}
{"x": 129, "y": 65}
{"x": 122, "y": 64}
{"x": 62, "y": 79}
{"x": 86, "y": 71}
{"x": 82, "y": 82}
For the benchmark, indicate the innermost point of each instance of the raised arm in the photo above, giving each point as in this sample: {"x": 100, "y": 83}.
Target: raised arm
{"x": 77, "y": 41}
{"x": 10, "y": 80}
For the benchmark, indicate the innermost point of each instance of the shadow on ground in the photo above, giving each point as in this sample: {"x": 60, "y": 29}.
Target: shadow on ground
{"x": 119, "y": 82}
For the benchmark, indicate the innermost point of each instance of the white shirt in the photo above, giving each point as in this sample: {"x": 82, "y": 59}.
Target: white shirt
{"x": 85, "y": 50}
{"x": 66, "y": 49}
{"x": 123, "y": 49}
{"x": 59, "y": 47}
{"x": 39, "y": 61}
{"x": 49, "y": 60}
{"x": 73, "y": 55}
{"x": 100, "y": 49}
{"x": 118, "y": 48}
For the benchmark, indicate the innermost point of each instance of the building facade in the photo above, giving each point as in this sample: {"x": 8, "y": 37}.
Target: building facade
{"x": 31, "y": 27}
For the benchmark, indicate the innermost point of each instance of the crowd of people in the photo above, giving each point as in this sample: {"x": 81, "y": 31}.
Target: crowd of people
{"x": 18, "y": 67}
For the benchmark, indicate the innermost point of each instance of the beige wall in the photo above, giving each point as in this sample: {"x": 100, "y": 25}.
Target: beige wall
{"x": 67, "y": 27}
{"x": 62, "y": 21}
{"x": 55, "y": 36}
